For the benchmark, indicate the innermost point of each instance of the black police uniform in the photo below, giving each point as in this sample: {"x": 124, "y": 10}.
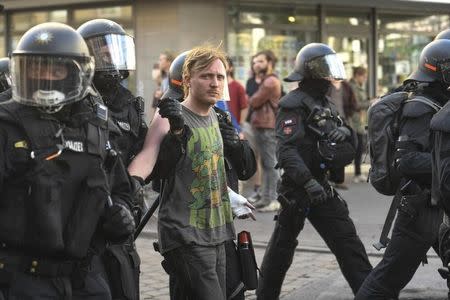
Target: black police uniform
{"x": 299, "y": 157}
{"x": 416, "y": 227}
{"x": 55, "y": 179}
{"x": 440, "y": 126}
{"x": 122, "y": 260}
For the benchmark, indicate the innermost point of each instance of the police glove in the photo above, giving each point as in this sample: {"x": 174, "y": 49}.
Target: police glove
{"x": 229, "y": 135}
{"x": 118, "y": 222}
{"x": 171, "y": 109}
{"x": 315, "y": 192}
{"x": 137, "y": 193}
{"x": 339, "y": 134}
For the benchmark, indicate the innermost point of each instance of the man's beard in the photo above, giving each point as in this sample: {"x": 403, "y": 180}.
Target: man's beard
{"x": 264, "y": 71}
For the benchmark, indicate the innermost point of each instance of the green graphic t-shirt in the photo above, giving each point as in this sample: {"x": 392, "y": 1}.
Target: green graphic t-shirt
{"x": 195, "y": 208}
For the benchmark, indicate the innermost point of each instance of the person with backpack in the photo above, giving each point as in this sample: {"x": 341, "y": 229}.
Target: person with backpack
{"x": 418, "y": 217}
{"x": 312, "y": 142}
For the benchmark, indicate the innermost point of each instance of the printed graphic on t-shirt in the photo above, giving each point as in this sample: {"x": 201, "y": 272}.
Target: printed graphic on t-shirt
{"x": 210, "y": 207}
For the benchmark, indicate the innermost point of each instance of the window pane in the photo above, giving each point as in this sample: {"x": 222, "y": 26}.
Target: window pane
{"x": 400, "y": 42}
{"x": 119, "y": 14}
{"x": 22, "y": 21}
{"x": 282, "y": 30}
{"x": 2, "y": 36}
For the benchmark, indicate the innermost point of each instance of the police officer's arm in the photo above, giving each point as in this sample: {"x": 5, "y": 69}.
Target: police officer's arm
{"x": 242, "y": 159}
{"x": 442, "y": 165}
{"x": 414, "y": 157}
{"x": 144, "y": 162}
{"x": 290, "y": 131}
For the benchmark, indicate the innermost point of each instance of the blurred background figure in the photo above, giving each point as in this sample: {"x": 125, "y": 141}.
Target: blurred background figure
{"x": 357, "y": 121}
{"x": 162, "y": 79}
{"x": 237, "y": 105}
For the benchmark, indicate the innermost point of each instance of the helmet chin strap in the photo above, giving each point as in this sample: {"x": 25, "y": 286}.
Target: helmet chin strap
{"x": 51, "y": 109}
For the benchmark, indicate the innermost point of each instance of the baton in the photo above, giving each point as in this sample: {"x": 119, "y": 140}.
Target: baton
{"x": 147, "y": 217}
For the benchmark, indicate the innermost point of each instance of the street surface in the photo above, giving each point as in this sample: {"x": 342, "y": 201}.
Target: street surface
{"x": 314, "y": 273}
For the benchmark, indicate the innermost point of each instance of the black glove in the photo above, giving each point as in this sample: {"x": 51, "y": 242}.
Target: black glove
{"x": 118, "y": 222}
{"x": 137, "y": 195}
{"x": 171, "y": 109}
{"x": 229, "y": 135}
{"x": 339, "y": 134}
{"x": 315, "y": 191}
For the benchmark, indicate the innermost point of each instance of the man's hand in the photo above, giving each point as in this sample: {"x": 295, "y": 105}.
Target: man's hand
{"x": 315, "y": 192}
{"x": 171, "y": 109}
{"x": 339, "y": 134}
{"x": 119, "y": 222}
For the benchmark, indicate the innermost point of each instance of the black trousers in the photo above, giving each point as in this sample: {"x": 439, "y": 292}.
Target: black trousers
{"x": 332, "y": 222}
{"x": 196, "y": 272}
{"x": 414, "y": 233}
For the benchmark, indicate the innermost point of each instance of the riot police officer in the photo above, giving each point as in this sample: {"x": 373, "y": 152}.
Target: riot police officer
{"x": 5, "y": 80}
{"x": 314, "y": 144}
{"x": 113, "y": 50}
{"x": 63, "y": 192}
{"x": 418, "y": 218}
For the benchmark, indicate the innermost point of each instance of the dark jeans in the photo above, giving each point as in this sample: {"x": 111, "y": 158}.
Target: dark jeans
{"x": 412, "y": 237}
{"x": 197, "y": 272}
{"x": 359, "y": 153}
{"x": 332, "y": 222}
{"x": 26, "y": 286}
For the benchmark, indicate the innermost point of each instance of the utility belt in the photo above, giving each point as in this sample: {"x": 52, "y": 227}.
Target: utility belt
{"x": 46, "y": 267}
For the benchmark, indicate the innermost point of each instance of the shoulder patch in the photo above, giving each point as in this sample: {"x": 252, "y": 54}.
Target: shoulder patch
{"x": 287, "y": 125}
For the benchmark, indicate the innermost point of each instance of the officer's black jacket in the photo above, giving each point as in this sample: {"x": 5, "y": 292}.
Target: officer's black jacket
{"x": 297, "y": 151}
{"x": 415, "y": 144}
{"x": 127, "y": 112}
{"x": 6, "y": 95}
{"x": 52, "y": 205}
{"x": 440, "y": 126}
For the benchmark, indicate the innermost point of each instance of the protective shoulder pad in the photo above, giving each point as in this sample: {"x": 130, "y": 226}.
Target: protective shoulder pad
{"x": 441, "y": 120}
{"x": 294, "y": 99}
{"x": 10, "y": 111}
{"x": 418, "y": 106}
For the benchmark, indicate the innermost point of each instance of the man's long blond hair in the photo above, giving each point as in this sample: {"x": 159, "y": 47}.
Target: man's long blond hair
{"x": 199, "y": 58}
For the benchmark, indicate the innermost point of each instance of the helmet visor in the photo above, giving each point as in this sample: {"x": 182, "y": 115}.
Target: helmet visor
{"x": 48, "y": 81}
{"x": 5, "y": 81}
{"x": 328, "y": 67}
{"x": 113, "y": 52}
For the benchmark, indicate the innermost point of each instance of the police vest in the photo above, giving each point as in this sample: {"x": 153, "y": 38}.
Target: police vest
{"x": 127, "y": 115}
{"x": 52, "y": 204}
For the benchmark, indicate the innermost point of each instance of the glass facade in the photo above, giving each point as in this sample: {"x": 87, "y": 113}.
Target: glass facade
{"x": 282, "y": 30}
{"x": 22, "y": 21}
{"x": 401, "y": 39}
{"x": 348, "y": 30}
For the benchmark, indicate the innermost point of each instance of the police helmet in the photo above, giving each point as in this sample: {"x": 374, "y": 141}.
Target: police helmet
{"x": 443, "y": 35}
{"x": 317, "y": 60}
{"x": 434, "y": 63}
{"x": 111, "y": 46}
{"x": 5, "y": 78}
{"x": 175, "y": 90}
{"x": 51, "y": 67}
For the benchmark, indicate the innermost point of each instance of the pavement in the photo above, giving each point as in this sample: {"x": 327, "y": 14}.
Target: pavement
{"x": 314, "y": 273}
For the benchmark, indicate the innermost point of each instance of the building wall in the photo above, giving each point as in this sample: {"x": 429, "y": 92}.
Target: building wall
{"x": 173, "y": 25}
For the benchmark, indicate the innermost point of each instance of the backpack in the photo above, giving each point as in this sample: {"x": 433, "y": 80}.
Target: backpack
{"x": 383, "y": 119}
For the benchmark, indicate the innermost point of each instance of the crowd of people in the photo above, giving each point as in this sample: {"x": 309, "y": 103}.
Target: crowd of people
{"x": 76, "y": 153}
